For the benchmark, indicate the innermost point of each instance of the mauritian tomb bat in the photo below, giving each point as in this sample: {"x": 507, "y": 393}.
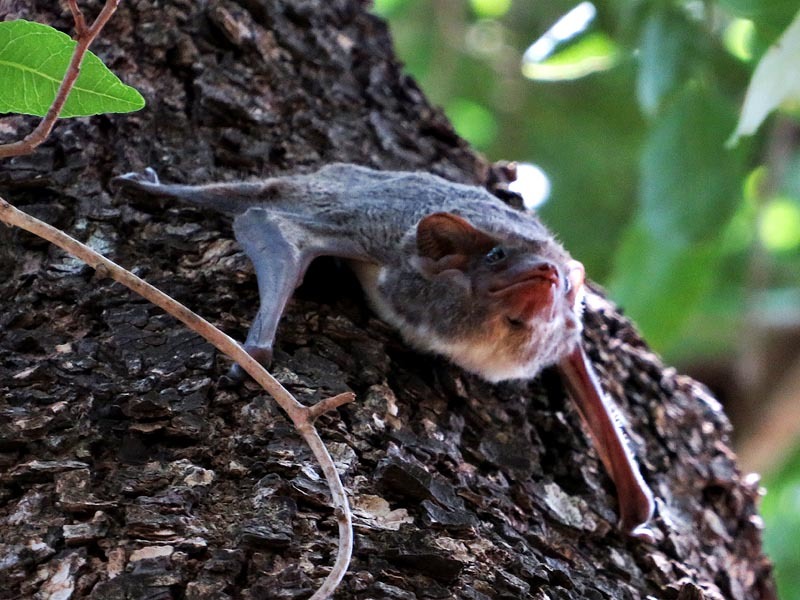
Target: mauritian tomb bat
{"x": 453, "y": 268}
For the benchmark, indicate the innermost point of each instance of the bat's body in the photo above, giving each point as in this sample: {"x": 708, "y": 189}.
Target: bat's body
{"x": 453, "y": 268}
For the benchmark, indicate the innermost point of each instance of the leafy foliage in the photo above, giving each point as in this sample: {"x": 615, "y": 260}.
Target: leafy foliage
{"x": 772, "y": 82}
{"x": 33, "y": 61}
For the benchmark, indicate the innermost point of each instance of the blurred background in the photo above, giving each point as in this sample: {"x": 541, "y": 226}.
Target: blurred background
{"x": 661, "y": 140}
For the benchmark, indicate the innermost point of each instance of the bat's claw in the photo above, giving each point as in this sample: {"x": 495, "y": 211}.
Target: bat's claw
{"x": 263, "y": 354}
{"x": 134, "y": 179}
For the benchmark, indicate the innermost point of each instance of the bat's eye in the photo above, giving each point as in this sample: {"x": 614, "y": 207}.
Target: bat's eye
{"x": 495, "y": 255}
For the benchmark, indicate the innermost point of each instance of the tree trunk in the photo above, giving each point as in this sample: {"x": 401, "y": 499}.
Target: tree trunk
{"x": 130, "y": 467}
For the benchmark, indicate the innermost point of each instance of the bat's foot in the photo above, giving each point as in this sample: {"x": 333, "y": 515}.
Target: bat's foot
{"x": 263, "y": 354}
{"x": 134, "y": 180}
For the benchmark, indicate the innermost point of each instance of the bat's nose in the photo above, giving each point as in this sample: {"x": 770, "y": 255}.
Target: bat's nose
{"x": 528, "y": 274}
{"x": 546, "y": 270}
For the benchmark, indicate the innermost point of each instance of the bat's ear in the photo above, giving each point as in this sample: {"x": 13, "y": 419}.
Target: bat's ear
{"x": 576, "y": 275}
{"x": 442, "y": 234}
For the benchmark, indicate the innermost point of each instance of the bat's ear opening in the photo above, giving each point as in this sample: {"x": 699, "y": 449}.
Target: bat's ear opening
{"x": 445, "y": 235}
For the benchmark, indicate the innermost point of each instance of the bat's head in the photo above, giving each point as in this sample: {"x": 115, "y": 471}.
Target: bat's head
{"x": 498, "y": 303}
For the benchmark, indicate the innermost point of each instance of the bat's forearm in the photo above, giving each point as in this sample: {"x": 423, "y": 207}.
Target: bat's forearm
{"x": 635, "y": 498}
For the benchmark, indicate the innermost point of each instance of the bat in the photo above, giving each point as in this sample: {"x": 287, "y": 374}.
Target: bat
{"x": 455, "y": 270}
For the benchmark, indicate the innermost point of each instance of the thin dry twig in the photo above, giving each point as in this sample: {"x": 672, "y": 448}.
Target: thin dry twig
{"x": 77, "y": 16}
{"x": 302, "y": 416}
{"x": 85, "y": 36}
{"x": 329, "y": 404}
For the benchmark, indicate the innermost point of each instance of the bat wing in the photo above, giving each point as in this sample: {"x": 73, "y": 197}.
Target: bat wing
{"x": 635, "y": 498}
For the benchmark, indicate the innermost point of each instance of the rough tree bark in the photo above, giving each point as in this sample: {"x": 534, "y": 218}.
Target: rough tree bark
{"x": 130, "y": 469}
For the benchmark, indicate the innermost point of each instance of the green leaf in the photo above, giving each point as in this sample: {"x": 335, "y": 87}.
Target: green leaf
{"x": 690, "y": 184}
{"x": 774, "y": 82}
{"x": 663, "y": 57}
{"x": 779, "y": 226}
{"x": 659, "y": 283}
{"x": 690, "y": 192}
{"x": 33, "y": 60}
{"x": 592, "y": 53}
{"x": 490, "y": 9}
{"x": 741, "y": 39}
{"x": 770, "y": 14}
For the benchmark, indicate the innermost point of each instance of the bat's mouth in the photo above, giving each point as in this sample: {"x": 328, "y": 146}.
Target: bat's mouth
{"x": 528, "y": 283}
{"x": 527, "y": 300}
{"x": 529, "y": 294}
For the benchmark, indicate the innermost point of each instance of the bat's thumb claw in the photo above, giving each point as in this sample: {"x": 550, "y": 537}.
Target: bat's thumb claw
{"x": 643, "y": 533}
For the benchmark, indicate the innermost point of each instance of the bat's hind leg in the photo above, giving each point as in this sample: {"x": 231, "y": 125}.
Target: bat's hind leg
{"x": 280, "y": 263}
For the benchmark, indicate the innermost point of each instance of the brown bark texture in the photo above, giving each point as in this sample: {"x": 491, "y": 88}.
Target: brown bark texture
{"x": 131, "y": 468}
